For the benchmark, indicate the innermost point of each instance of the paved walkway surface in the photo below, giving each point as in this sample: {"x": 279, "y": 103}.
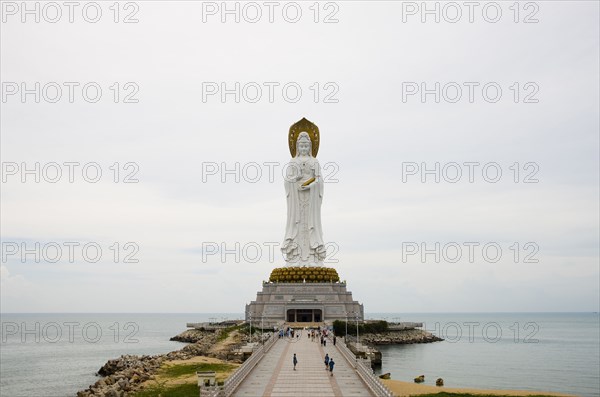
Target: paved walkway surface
{"x": 275, "y": 376}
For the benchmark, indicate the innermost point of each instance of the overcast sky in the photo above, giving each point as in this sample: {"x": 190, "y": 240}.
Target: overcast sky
{"x": 377, "y": 133}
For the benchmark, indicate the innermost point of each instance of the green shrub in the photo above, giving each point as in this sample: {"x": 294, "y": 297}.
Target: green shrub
{"x": 376, "y": 327}
{"x": 339, "y": 327}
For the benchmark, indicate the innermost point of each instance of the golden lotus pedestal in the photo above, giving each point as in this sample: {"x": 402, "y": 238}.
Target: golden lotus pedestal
{"x": 303, "y": 295}
{"x": 304, "y": 274}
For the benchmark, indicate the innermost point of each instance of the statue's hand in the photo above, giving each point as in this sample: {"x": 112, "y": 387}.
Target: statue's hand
{"x": 305, "y": 187}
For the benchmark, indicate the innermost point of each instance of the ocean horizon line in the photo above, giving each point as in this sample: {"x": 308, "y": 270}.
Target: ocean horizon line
{"x": 367, "y": 313}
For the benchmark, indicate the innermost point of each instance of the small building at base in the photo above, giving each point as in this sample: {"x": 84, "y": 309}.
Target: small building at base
{"x": 303, "y": 302}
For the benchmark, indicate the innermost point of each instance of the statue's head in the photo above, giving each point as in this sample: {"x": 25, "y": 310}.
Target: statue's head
{"x": 303, "y": 144}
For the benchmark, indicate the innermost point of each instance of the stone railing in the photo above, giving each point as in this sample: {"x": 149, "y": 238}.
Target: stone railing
{"x": 241, "y": 373}
{"x": 363, "y": 368}
{"x": 403, "y": 326}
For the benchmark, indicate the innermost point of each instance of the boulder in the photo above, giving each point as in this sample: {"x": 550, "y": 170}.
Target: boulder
{"x": 420, "y": 379}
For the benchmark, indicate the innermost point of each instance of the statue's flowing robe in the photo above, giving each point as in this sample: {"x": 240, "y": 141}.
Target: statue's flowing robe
{"x": 303, "y": 242}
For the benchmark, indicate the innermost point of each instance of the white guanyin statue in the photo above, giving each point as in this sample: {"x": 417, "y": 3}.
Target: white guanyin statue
{"x": 303, "y": 242}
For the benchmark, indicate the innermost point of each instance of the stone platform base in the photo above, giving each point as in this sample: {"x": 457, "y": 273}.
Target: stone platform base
{"x": 299, "y": 303}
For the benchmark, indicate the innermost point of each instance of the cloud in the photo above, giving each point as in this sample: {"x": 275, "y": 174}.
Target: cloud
{"x": 367, "y": 136}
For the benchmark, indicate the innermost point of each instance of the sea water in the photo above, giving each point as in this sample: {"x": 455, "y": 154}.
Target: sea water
{"x": 59, "y": 354}
{"x": 532, "y": 351}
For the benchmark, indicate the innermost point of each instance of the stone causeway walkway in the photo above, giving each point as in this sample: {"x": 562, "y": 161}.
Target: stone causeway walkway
{"x": 275, "y": 376}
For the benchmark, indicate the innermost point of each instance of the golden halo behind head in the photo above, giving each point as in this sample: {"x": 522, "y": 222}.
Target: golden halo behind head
{"x": 311, "y": 129}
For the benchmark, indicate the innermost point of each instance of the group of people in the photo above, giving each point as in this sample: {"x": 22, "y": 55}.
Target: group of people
{"x": 313, "y": 335}
{"x": 322, "y": 335}
{"x": 289, "y": 332}
{"x": 329, "y": 363}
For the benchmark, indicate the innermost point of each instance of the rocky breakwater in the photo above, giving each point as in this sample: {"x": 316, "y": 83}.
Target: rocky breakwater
{"x": 368, "y": 341}
{"x": 122, "y": 376}
{"x": 401, "y": 337}
{"x": 190, "y": 336}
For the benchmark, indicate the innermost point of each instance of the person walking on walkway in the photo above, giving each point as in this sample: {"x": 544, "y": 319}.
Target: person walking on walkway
{"x": 324, "y": 342}
{"x": 295, "y": 361}
{"x": 331, "y": 364}
{"x": 326, "y": 361}
{"x": 334, "y": 339}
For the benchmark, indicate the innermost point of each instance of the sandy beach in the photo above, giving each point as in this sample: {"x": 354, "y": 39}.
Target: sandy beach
{"x": 402, "y": 389}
